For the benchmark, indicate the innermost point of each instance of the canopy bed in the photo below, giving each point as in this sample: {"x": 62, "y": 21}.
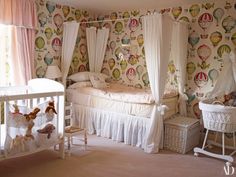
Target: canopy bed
{"x": 127, "y": 125}
{"x": 118, "y": 112}
{"x": 32, "y": 118}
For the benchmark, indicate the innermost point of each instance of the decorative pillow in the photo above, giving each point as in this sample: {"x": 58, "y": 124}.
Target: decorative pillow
{"x": 80, "y": 76}
{"x": 98, "y": 82}
{"x": 80, "y": 84}
{"x": 101, "y": 75}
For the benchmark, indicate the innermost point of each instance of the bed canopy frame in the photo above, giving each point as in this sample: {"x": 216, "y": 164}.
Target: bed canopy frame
{"x": 159, "y": 46}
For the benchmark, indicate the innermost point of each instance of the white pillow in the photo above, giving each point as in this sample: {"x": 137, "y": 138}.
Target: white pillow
{"x": 98, "y": 81}
{"x": 80, "y": 76}
{"x": 84, "y": 76}
{"x": 80, "y": 84}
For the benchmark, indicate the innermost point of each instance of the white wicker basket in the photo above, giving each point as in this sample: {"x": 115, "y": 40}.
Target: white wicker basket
{"x": 218, "y": 117}
{"x": 181, "y": 134}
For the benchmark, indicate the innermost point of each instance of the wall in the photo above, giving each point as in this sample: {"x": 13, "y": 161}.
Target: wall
{"x": 212, "y": 32}
{"x": 48, "y": 40}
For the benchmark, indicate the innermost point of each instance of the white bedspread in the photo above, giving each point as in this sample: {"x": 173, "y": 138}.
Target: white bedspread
{"x": 120, "y": 93}
{"x": 119, "y": 99}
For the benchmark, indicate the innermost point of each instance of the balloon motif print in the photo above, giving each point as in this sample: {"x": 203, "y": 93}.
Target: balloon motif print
{"x": 212, "y": 34}
{"x": 204, "y": 21}
{"x": 201, "y": 79}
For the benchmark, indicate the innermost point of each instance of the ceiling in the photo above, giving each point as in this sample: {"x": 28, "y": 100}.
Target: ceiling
{"x": 121, "y": 5}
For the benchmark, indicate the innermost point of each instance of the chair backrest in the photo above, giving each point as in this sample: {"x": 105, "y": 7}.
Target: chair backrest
{"x": 68, "y": 114}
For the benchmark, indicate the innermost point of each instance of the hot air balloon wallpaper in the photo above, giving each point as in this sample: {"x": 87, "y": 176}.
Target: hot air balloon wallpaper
{"x": 176, "y": 11}
{"x": 119, "y": 27}
{"x": 215, "y": 38}
{"x": 48, "y": 59}
{"x": 123, "y": 65}
{"x": 194, "y": 11}
{"x": 131, "y": 74}
{"x": 48, "y": 33}
{"x": 204, "y": 21}
{"x": 223, "y": 49}
{"x": 56, "y": 45}
{"x": 213, "y": 75}
{"x": 39, "y": 43}
{"x": 228, "y": 23}
{"x": 113, "y": 17}
{"x": 116, "y": 74}
{"x": 126, "y": 16}
{"x": 51, "y": 8}
{"x": 191, "y": 67}
{"x": 58, "y": 21}
{"x": 204, "y": 52}
{"x": 201, "y": 79}
{"x": 139, "y": 70}
{"x": 193, "y": 39}
{"x": 133, "y": 24}
{"x": 83, "y": 51}
{"x": 233, "y": 38}
{"x": 218, "y": 13}
{"x": 42, "y": 19}
{"x": 212, "y": 33}
{"x": 111, "y": 63}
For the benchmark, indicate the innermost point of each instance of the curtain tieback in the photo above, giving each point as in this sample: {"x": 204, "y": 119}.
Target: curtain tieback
{"x": 183, "y": 96}
{"x": 162, "y": 108}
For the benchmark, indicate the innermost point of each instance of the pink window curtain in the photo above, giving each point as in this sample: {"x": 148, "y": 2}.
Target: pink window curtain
{"x": 23, "y": 55}
{"x": 18, "y": 13}
{"x": 21, "y": 14}
{"x": 6, "y": 12}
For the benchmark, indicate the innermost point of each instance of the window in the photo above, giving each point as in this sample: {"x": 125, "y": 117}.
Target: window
{"x": 5, "y": 55}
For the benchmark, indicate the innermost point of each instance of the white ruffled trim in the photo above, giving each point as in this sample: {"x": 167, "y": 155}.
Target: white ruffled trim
{"x": 119, "y": 127}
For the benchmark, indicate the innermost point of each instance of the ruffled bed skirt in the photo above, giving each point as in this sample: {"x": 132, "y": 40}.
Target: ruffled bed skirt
{"x": 117, "y": 126}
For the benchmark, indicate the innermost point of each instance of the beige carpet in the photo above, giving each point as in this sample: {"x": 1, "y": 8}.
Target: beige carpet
{"x": 106, "y": 158}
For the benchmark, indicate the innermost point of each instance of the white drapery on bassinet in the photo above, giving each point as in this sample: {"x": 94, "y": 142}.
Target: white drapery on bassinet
{"x": 96, "y": 43}
{"x": 226, "y": 82}
{"x": 70, "y": 32}
{"x": 179, "y": 49}
{"x": 157, "y": 44}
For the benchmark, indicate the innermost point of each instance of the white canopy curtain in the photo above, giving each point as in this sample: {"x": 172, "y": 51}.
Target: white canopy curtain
{"x": 97, "y": 43}
{"x": 157, "y": 43}
{"x": 91, "y": 37}
{"x": 70, "y": 32}
{"x": 226, "y": 82}
{"x": 179, "y": 44}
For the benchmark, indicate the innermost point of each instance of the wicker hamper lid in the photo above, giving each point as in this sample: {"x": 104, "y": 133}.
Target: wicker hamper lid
{"x": 182, "y": 121}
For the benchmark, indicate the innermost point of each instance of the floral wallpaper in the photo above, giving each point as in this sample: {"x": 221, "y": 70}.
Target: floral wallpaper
{"x": 212, "y": 32}
{"x": 48, "y": 40}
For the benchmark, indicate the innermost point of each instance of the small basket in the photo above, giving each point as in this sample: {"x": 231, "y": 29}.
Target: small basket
{"x": 181, "y": 134}
{"x": 218, "y": 117}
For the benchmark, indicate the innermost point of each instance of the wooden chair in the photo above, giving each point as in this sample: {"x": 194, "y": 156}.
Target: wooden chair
{"x": 71, "y": 130}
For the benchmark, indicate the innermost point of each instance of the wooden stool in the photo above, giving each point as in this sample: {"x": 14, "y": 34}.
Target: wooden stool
{"x": 71, "y": 130}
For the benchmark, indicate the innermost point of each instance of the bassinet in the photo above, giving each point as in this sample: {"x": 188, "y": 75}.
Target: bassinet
{"x": 218, "y": 118}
